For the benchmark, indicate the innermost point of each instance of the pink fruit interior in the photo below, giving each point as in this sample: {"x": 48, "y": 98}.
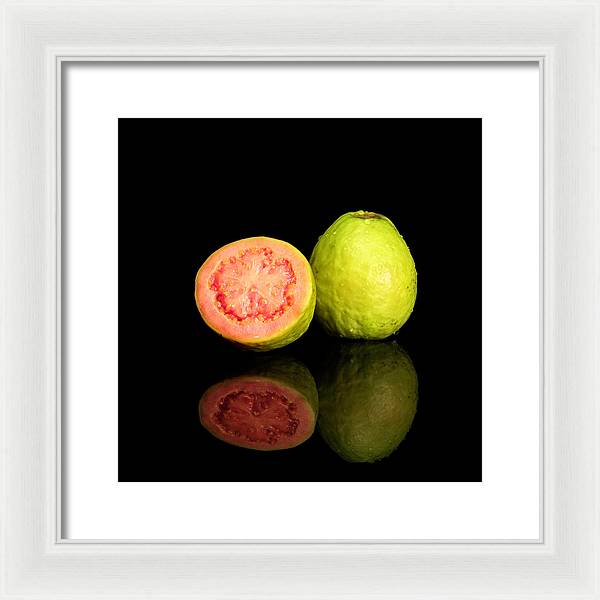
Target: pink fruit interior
{"x": 253, "y": 285}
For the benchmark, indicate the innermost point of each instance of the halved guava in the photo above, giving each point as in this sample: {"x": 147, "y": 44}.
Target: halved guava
{"x": 367, "y": 399}
{"x": 257, "y": 292}
{"x": 273, "y": 407}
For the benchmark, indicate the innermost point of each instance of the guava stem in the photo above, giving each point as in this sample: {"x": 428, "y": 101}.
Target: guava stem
{"x": 363, "y": 214}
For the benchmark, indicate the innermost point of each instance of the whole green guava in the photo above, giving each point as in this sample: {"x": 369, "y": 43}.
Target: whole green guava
{"x": 367, "y": 399}
{"x": 365, "y": 276}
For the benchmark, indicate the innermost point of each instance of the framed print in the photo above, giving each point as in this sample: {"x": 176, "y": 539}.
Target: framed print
{"x": 384, "y": 383}
{"x": 168, "y": 365}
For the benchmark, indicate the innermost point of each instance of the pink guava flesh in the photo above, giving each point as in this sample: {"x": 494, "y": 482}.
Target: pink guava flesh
{"x": 254, "y": 285}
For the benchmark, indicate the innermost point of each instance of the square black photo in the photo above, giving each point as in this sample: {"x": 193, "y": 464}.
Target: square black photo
{"x": 268, "y": 324}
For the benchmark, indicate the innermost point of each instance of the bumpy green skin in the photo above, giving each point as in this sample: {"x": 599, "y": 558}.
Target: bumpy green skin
{"x": 366, "y": 277}
{"x": 367, "y": 399}
{"x": 288, "y": 372}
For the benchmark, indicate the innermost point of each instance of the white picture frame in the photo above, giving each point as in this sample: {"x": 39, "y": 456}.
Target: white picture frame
{"x": 562, "y": 36}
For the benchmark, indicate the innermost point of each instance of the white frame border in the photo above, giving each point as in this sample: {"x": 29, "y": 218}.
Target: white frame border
{"x": 63, "y": 88}
{"x": 38, "y": 35}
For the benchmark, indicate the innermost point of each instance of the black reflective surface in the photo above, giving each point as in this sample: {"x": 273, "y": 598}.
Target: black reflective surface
{"x": 186, "y": 187}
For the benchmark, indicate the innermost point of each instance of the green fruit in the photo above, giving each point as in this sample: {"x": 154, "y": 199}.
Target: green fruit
{"x": 271, "y": 406}
{"x": 366, "y": 277}
{"x": 367, "y": 400}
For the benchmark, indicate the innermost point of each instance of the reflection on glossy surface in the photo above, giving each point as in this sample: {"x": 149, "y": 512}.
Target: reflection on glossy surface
{"x": 271, "y": 406}
{"x": 367, "y": 399}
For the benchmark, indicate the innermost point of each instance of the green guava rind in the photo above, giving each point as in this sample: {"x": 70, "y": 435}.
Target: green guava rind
{"x": 366, "y": 277}
{"x": 284, "y": 373}
{"x": 368, "y": 396}
{"x": 284, "y": 336}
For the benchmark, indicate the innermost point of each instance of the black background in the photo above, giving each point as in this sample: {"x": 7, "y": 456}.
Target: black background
{"x": 189, "y": 186}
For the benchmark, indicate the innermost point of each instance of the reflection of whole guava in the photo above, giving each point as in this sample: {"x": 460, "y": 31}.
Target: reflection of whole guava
{"x": 366, "y": 277}
{"x": 367, "y": 400}
{"x": 271, "y": 406}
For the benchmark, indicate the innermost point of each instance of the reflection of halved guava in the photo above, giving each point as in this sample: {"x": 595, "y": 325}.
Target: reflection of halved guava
{"x": 257, "y": 292}
{"x": 271, "y": 407}
{"x": 367, "y": 400}
{"x": 366, "y": 277}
